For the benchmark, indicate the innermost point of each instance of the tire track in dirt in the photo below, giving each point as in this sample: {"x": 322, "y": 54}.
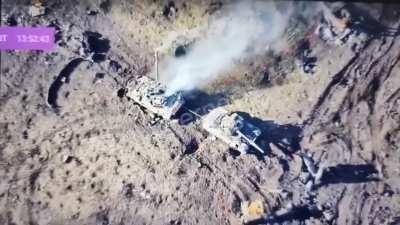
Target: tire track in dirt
{"x": 361, "y": 90}
{"x": 63, "y": 77}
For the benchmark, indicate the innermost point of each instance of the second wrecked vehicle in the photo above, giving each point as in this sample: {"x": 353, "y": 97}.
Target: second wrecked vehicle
{"x": 151, "y": 94}
{"x": 232, "y": 129}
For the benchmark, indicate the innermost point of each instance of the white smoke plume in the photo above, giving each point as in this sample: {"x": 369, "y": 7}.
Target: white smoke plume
{"x": 245, "y": 28}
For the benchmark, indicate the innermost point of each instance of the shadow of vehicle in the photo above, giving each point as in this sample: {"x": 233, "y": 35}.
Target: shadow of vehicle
{"x": 349, "y": 174}
{"x": 199, "y": 103}
{"x": 369, "y": 25}
{"x": 286, "y": 137}
{"x": 298, "y": 213}
{"x": 301, "y": 213}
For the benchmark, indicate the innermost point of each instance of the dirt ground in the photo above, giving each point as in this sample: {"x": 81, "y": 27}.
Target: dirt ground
{"x": 73, "y": 150}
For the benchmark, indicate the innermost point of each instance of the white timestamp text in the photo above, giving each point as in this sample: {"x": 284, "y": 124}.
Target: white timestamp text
{"x": 33, "y": 38}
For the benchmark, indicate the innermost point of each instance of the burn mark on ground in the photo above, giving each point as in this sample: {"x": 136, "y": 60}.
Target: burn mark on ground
{"x": 62, "y": 78}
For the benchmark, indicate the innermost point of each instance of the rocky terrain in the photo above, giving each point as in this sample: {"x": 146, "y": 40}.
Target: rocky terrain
{"x": 75, "y": 150}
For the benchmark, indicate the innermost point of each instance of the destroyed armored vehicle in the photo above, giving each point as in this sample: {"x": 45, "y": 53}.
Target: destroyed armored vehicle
{"x": 151, "y": 95}
{"x": 232, "y": 129}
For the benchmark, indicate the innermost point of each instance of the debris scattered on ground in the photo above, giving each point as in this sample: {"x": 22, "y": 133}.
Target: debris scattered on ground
{"x": 335, "y": 28}
{"x": 304, "y": 58}
{"x": 315, "y": 172}
{"x": 253, "y": 210}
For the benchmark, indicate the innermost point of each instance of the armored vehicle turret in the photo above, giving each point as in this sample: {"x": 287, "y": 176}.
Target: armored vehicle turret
{"x": 151, "y": 95}
{"x": 232, "y": 129}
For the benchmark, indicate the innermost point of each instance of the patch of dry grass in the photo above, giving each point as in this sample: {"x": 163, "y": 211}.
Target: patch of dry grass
{"x": 286, "y": 103}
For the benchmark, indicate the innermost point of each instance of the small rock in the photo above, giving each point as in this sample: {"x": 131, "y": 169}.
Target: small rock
{"x": 310, "y": 186}
{"x": 37, "y": 10}
{"x": 253, "y": 210}
{"x": 275, "y": 150}
{"x": 145, "y": 195}
{"x": 127, "y": 190}
{"x": 170, "y": 10}
{"x": 91, "y": 12}
{"x": 304, "y": 177}
{"x": 67, "y": 158}
{"x": 11, "y": 21}
{"x": 285, "y": 194}
{"x": 98, "y": 77}
{"x": 102, "y": 218}
{"x": 329, "y": 214}
{"x": 115, "y": 66}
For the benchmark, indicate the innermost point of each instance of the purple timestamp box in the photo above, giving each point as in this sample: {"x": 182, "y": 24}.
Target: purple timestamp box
{"x": 27, "y": 38}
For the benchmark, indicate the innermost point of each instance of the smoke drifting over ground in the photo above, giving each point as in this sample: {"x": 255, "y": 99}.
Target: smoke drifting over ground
{"x": 243, "y": 29}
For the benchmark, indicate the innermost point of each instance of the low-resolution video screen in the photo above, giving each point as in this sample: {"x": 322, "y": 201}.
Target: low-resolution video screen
{"x": 202, "y": 112}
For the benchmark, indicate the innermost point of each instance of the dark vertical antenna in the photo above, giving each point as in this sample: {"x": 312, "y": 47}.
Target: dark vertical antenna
{"x": 1, "y": 23}
{"x": 156, "y": 63}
